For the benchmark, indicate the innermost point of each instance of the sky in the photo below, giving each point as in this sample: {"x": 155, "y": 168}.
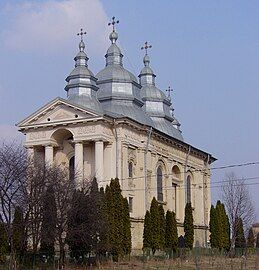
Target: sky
{"x": 206, "y": 50}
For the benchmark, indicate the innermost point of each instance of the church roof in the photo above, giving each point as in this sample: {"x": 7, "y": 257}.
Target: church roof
{"x": 81, "y": 84}
{"x": 156, "y": 104}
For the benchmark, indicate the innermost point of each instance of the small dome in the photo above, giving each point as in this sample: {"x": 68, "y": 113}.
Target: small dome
{"x": 116, "y": 73}
{"x": 113, "y": 36}
{"x": 119, "y": 90}
{"x": 81, "y": 84}
{"x": 80, "y": 71}
{"x": 151, "y": 92}
{"x": 114, "y": 49}
{"x": 156, "y": 104}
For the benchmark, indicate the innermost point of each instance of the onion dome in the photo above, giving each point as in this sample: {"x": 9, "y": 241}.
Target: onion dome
{"x": 119, "y": 90}
{"x": 81, "y": 84}
{"x": 156, "y": 104}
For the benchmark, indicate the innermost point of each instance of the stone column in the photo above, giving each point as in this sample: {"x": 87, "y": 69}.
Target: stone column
{"x": 30, "y": 152}
{"x": 79, "y": 162}
{"x": 99, "y": 161}
{"x": 49, "y": 155}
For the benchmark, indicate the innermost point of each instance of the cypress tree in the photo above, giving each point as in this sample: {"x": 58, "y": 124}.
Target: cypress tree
{"x": 213, "y": 228}
{"x": 171, "y": 234}
{"x": 104, "y": 232}
{"x": 220, "y": 225}
{"x": 240, "y": 237}
{"x": 126, "y": 228}
{"x": 188, "y": 226}
{"x": 257, "y": 241}
{"x": 18, "y": 231}
{"x": 49, "y": 221}
{"x": 161, "y": 227}
{"x": 147, "y": 231}
{"x": 118, "y": 220}
{"x": 250, "y": 239}
{"x": 226, "y": 228}
{"x": 155, "y": 230}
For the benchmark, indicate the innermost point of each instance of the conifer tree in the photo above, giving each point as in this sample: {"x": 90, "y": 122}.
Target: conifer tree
{"x": 147, "y": 231}
{"x": 219, "y": 215}
{"x": 49, "y": 221}
{"x": 188, "y": 226}
{"x": 226, "y": 227}
{"x": 126, "y": 228}
{"x": 155, "y": 230}
{"x": 118, "y": 220}
{"x": 257, "y": 241}
{"x": 161, "y": 227}
{"x": 250, "y": 239}
{"x": 171, "y": 234}
{"x": 240, "y": 237}
{"x": 103, "y": 243}
{"x": 18, "y": 231}
{"x": 213, "y": 228}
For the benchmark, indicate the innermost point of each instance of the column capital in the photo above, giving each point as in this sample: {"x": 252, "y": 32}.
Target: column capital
{"x": 98, "y": 141}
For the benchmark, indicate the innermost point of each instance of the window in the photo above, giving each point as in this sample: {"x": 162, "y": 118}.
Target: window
{"x": 159, "y": 184}
{"x": 130, "y": 168}
{"x": 130, "y": 204}
{"x": 188, "y": 189}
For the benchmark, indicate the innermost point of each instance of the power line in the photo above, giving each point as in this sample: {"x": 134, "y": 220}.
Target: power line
{"x": 192, "y": 171}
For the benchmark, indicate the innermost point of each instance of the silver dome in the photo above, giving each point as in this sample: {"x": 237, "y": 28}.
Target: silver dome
{"x": 156, "y": 104}
{"x": 119, "y": 90}
{"x": 81, "y": 84}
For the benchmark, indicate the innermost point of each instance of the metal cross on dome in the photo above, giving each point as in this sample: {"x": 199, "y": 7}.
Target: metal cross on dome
{"x": 81, "y": 34}
{"x": 169, "y": 90}
{"x": 113, "y": 23}
{"x": 146, "y": 47}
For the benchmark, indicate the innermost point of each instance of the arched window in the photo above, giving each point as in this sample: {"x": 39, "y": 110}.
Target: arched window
{"x": 72, "y": 168}
{"x": 188, "y": 189}
{"x": 175, "y": 182}
{"x": 159, "y": 181}
{"x": 130, "y": 168}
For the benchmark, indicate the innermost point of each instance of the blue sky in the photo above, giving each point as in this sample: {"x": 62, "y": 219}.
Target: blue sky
{"x": 206, "y": 50}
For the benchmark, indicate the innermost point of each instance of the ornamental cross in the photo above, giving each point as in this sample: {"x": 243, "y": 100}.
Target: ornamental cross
{"x": 169, "y": 90}
{"x": 81, "y": 34}
{"x": 113, "y": 23}
{"x": 146, "y": 47}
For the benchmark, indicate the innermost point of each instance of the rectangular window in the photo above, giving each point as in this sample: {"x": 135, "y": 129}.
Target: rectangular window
{"x": 130, "y": 204}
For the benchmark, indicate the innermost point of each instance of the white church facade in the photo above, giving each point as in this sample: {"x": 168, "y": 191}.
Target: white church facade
{"x": 113, "y": 125}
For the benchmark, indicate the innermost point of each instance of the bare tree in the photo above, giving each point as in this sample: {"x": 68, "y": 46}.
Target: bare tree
{"x": 63, "y": 188}
{"x": 33, "y": 194}
{"x": 13, "y": 175}
{"x": 238, "y": 204}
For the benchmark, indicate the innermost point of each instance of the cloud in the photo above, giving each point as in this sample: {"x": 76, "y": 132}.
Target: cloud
{"x": 10, "y": 133}
{"x": 52, "y": 25}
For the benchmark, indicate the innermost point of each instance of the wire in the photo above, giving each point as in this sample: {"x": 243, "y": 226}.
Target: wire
{"x": 192, "y": 171}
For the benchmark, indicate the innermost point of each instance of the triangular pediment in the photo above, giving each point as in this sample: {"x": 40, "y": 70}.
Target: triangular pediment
{"x": 58, "y": 111}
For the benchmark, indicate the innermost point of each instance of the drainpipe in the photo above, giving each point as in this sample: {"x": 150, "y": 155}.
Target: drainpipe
{"x": 206, "y": 233}
{"x": 145, "y": 168}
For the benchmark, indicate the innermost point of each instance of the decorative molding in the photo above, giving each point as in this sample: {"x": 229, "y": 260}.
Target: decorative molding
{"x": 37, "y": 135}
{"x": 86, "y": 130}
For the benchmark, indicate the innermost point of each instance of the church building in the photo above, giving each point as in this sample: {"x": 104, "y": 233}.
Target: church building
{"x": 114, "y": 125}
